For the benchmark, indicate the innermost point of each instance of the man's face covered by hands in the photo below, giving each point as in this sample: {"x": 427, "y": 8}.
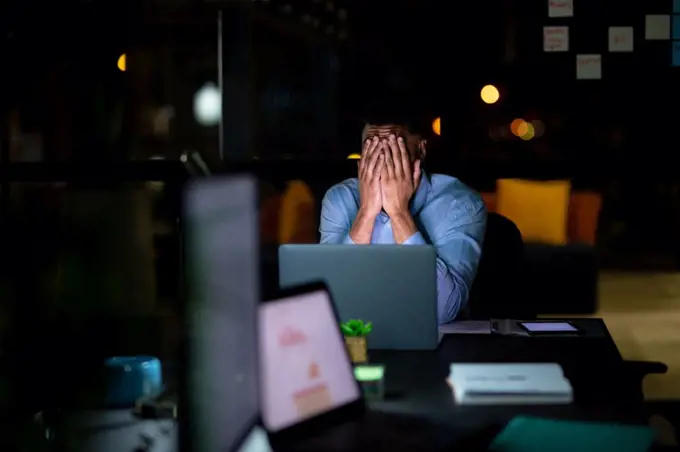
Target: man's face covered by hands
{"x": 390, "y": 168}
{"x": 414, "y": 143}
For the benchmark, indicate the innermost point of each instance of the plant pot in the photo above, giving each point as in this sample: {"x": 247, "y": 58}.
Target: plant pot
{"x": 357, "y": 348}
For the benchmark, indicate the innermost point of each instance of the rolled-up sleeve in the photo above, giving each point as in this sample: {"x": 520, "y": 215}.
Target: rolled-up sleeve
{"x": 415, "y": 239}
{"x": 335, "y": 221}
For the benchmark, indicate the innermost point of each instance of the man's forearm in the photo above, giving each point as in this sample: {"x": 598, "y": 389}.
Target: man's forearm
{"x": 362, "y": 228}
{"x": 403, "y": 227}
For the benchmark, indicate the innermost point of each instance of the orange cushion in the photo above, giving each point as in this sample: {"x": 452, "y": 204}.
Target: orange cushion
{"x": 539, "y": 209}
{"x": 584, "y": 215}
{"x": 297, "y": 222}
{"x": 489, "y": 201}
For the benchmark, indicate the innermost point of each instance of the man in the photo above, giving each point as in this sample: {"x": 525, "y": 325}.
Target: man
{"x": 394, "y": 201}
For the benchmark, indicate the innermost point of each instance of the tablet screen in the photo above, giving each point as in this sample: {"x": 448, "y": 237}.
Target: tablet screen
{"x": 549, "y": 327}
{"x": 305, "y": 369}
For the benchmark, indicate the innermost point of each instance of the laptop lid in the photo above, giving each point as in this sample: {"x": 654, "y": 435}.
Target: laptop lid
{"x": 221, "y": 266}
{"x": 306, "y": 377}
{"x": 393, "y": 286}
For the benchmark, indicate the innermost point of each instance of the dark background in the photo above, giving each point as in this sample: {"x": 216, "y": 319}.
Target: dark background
{"x": 91, "y": 165}
{"x": 296, "y": 75}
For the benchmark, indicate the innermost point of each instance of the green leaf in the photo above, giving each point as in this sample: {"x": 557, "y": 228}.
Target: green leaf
{"x": 356, "y": 327}
{"x": 346, "y": 330}
{"x": 356, "y": 324}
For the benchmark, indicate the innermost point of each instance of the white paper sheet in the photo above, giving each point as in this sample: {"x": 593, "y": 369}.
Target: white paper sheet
{"x": 466, "y": 327}
{"x": 588, "y": 67}
{"x": 555, "y": 39}
{"x": 657, "y": 26}
{"x": 560, "y": 8}
{"x": 620, "y": 39}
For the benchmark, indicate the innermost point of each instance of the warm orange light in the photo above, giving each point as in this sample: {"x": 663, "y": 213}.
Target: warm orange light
{"x": 436, "y": 126}
{"x": 354, "y": 157}
{"x": 527, "y": 132}
{"x": 522, "y": 129}
{"x": 122, "y": 62}
{"x": 515, "y": 126}
{"x": 490, "y": 94}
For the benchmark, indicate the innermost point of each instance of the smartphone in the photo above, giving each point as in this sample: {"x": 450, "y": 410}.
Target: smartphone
{"x": 546, "y": 327}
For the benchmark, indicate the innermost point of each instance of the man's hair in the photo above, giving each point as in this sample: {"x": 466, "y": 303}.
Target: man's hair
{"x": 399, "y": 108}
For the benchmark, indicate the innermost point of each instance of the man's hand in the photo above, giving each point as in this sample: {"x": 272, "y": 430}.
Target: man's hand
{"x": 370, "y": 169}
{"x": 399, "y": 180}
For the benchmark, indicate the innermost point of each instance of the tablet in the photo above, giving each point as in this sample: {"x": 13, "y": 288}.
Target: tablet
{"x": 549, "y": 327}
{"x": 306, "y": 376}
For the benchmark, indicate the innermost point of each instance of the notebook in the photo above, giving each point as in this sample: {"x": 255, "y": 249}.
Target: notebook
{"x": 519, "y": 383}
{"x": 528, "y": 434}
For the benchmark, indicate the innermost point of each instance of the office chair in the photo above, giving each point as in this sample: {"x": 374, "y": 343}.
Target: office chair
{"x": 496, "y": 291}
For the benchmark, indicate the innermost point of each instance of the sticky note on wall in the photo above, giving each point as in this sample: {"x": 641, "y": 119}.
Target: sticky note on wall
{"x": 675, "y": 27}
{"x": 675, "y": 57}
{"x": 620, "y": 39}
{"x": 657, "y": 26}
{"x": 560, "y": 8}
{"x": 588, "y": 67}
{"x": 555, "y": 39}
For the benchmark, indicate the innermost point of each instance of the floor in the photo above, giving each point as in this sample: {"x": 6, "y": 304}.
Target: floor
{"x": 642, "y": 312}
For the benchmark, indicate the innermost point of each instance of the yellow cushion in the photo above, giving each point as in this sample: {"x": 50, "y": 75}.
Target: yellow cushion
{"x": 539, "y": 209}
{"x": 297, "y": 223}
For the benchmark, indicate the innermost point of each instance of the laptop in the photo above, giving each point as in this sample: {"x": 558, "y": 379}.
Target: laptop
{"x": 310, "y": 397}
{"x": 222, "y": 269}
{"x": 392, "y": 286}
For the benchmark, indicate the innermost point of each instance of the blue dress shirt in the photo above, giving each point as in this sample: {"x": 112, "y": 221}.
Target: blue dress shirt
{"x": 449, "y": 215}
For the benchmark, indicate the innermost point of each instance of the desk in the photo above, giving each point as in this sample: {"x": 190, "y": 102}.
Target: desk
{"x": 415, "y": 381}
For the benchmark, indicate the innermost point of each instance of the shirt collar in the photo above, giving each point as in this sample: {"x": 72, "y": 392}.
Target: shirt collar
{"x": 419, "y": 199}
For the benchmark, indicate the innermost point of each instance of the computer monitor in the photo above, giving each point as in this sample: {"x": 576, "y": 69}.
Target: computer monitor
{"x": 305, "y": 370}
{"x": 221, "y": 264}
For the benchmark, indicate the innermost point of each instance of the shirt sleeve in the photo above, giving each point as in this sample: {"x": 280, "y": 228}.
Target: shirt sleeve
{"x": 458, "y": 241}
{"x": 335, "y": 222}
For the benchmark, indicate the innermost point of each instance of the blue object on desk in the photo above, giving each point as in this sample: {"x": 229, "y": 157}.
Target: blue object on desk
{"x": 528, "y": 434}
{"x": 130, "y": 378}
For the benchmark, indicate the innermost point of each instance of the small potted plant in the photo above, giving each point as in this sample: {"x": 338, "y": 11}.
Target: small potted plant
{"x": 356, "y": 333}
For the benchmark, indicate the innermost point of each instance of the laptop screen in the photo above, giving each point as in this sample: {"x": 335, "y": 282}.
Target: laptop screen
{"x": 305, "y": 369}
{"x": 220, "y": 217}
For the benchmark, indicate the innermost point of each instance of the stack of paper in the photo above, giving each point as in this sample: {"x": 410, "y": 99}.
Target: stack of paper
{"x": 519, "y": 384}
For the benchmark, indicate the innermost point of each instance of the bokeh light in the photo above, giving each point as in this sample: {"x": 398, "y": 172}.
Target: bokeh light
{"x": 527, "y": 131}
{"x": 208, "y": 105}
{"x": 436, "y": 126}
{"x": 354, "y": 157}
{"x": 522, "y": 129}
{"x": 515, "y": 125}
{"x": 122, "y": 62}
{"x": 490, "y": 94}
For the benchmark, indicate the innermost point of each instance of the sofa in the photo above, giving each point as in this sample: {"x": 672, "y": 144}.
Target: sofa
{"x": 562, "y": 278}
